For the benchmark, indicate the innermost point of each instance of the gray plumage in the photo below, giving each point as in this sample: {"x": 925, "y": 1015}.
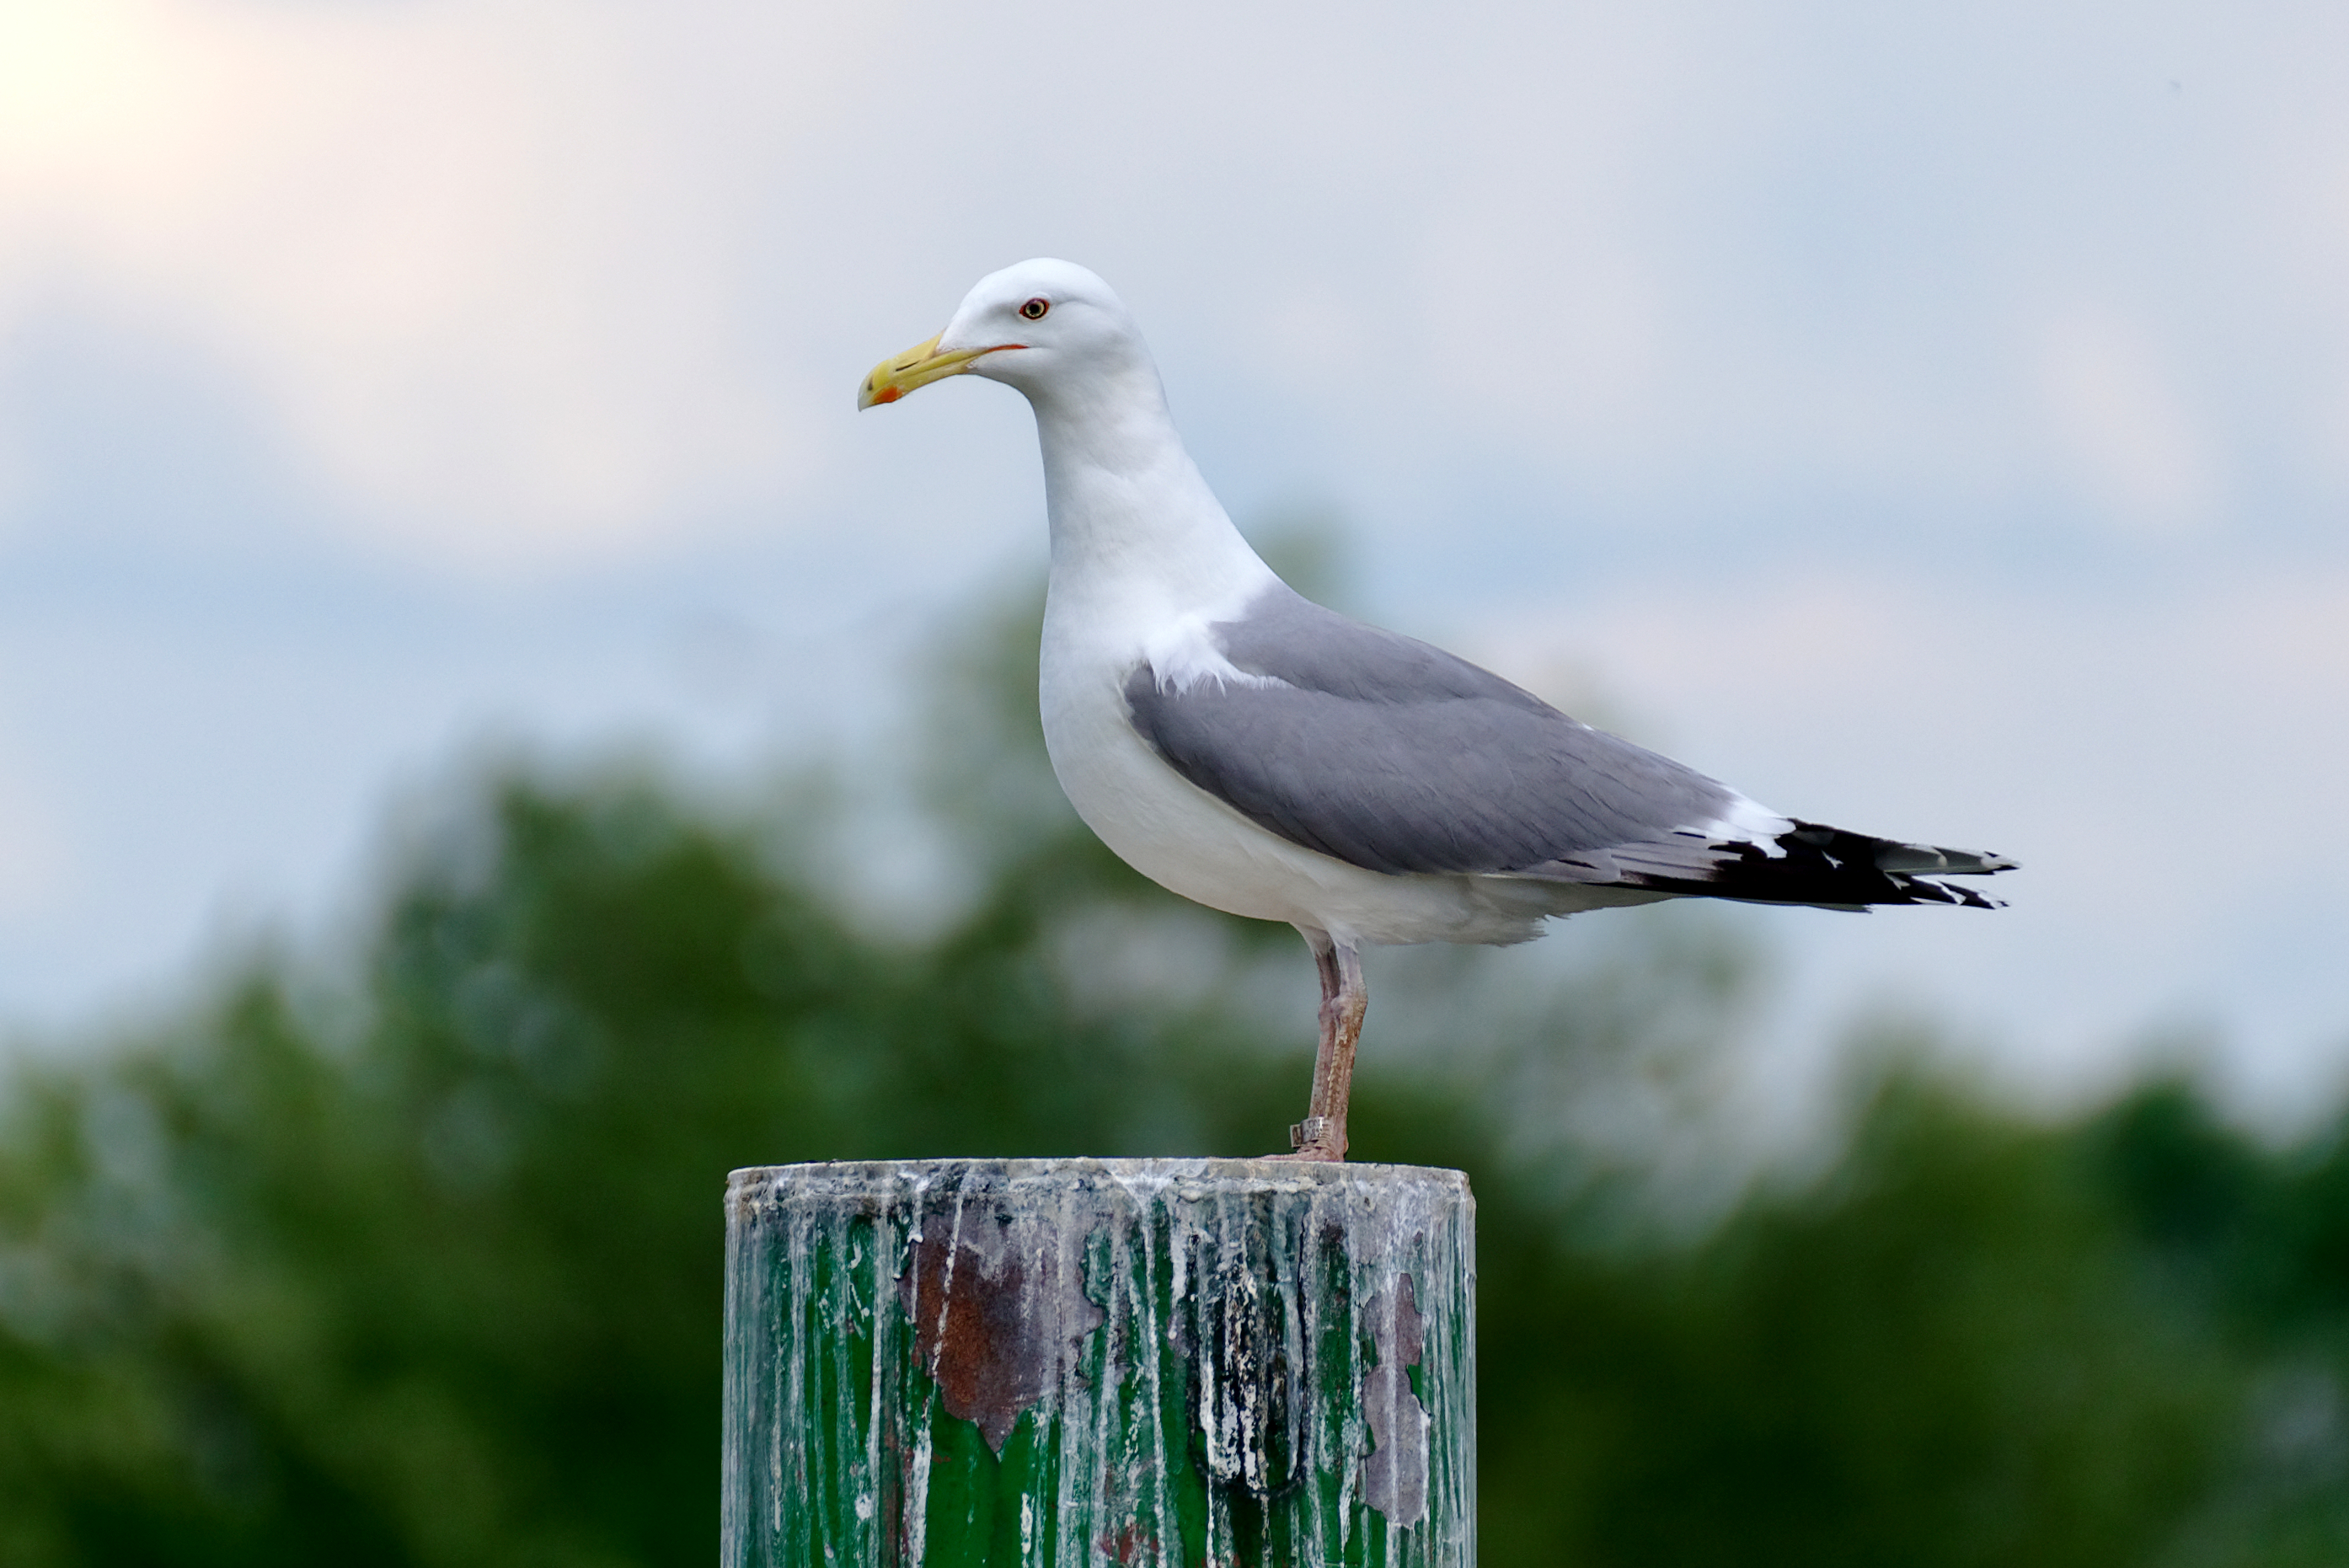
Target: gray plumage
{"x": 1396, "y": 756}
{"x": 1393, "y": 755}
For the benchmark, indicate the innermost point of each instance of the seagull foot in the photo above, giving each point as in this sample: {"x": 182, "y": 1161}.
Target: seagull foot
{"x": 1316, "y": 1138}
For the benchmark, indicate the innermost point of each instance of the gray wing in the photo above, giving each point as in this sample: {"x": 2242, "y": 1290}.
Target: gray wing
{"x": 1397, "y": 756}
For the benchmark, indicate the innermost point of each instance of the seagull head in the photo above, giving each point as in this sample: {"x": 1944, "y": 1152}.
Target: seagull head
{"x": 1036, "y": 326}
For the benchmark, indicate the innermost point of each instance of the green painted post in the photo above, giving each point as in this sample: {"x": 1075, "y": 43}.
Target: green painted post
{"x": 1179, "y": 1363}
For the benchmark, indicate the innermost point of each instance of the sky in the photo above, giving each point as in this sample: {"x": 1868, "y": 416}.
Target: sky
{"x": 1933, "y": 420}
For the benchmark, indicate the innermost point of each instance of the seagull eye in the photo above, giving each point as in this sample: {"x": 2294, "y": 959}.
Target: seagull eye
{"x": 1034, "y": 310}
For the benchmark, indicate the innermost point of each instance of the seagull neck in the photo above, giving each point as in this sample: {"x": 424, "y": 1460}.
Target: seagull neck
{"x": 1130, "y": 511}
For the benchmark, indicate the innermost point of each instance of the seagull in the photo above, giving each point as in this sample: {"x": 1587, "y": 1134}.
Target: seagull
{"x": 1246, "y": 748}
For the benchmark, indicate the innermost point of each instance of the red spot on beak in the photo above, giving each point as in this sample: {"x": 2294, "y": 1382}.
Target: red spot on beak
{"x": 887, "y": 395}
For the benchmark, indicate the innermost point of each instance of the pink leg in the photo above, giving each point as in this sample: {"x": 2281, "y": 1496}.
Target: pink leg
{"x": 1344, "y": 999}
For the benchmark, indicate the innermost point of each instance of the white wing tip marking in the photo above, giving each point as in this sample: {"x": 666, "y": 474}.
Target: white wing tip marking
{"x": 1746, "y": 822}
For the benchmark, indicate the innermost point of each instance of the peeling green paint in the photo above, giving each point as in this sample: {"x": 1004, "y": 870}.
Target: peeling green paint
{"x": 1053, "y": 1363}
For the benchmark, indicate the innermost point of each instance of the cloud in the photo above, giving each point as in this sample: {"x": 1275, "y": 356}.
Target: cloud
{"x": 462, "y": 251}
{"x": 526, "y": 282}
{"x": 2123, "y": 424}
{"x": 34, "y": 857}
{"x": 2162, "y": 767}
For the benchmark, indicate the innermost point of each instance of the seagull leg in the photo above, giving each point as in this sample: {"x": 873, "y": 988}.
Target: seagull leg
{"x": 1344, "y": 999}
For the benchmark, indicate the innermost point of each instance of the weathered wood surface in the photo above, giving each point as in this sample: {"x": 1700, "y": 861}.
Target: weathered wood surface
{"x": 1075, "y": 1362}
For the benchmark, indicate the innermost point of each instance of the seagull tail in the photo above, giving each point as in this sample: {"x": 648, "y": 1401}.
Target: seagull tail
{"x": 1833, "y": 868}
{"x": 1809, "y": 863}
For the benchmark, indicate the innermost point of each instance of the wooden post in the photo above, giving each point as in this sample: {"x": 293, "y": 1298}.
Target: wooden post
{"x": 1072, "y": 1362}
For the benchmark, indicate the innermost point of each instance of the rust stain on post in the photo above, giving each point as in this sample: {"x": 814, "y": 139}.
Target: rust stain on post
{"x": 990, "y": 1331}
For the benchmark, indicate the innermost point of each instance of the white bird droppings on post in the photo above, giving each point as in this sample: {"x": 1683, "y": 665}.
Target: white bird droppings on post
{"x": 1143, "y": 1361}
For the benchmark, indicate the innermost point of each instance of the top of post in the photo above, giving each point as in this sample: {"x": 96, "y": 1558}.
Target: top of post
{"x": 756, "y": 1186}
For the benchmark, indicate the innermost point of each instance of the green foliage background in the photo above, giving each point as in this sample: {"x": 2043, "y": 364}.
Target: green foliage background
{"x": 420, "y": 1264}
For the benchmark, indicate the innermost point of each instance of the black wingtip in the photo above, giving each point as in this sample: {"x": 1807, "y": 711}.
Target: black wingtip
{"x": 1833, "y": 867}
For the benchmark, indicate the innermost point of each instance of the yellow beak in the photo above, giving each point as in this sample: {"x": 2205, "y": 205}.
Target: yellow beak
{"x": 916, "y": 367}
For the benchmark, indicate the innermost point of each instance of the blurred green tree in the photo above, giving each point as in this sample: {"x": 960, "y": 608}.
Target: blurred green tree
{"x": 421, "y": 1266}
